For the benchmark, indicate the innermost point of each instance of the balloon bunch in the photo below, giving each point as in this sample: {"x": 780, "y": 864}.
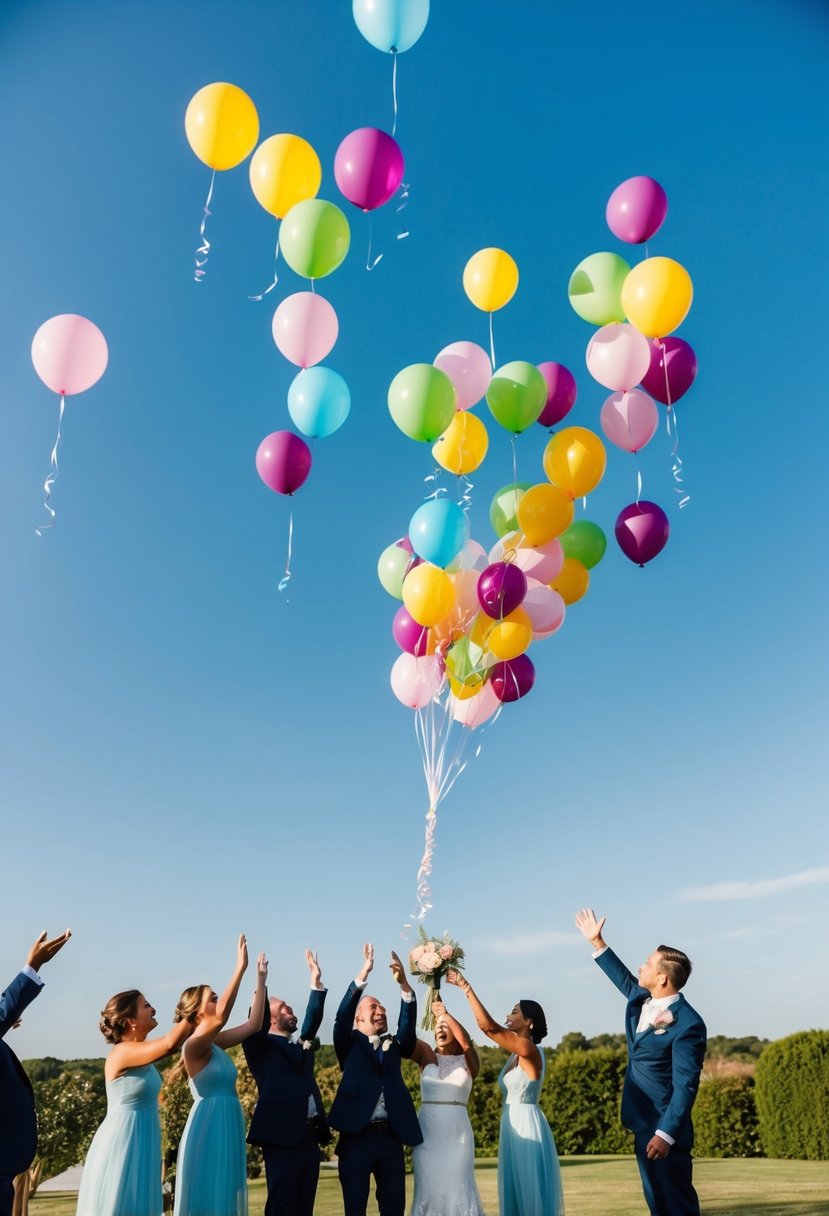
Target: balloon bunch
{"x": 637, "y": 309}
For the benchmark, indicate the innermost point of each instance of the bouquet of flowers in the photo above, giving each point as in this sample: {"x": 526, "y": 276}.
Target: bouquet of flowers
{"x": 430, "y": 960}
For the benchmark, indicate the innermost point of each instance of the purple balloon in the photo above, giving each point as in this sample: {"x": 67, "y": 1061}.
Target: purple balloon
{"x": 501, "y": 588}
{"x": 409, "y": 635}
{"x": 513, "y": 679}
{"x": 642, "y": 531}
{"x": 368, "y": 167}
{"x": 636, "y": 210}
{"x": 678, "y": 357}
{"x": 283, "y": 461}
{"x": 561, "y": 393}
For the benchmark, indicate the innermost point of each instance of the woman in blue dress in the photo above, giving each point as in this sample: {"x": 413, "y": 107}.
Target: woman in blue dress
{"x": 529, "y": 1178}
{"x": 122, "y": 1172}
{"x": 211, "y": 1172}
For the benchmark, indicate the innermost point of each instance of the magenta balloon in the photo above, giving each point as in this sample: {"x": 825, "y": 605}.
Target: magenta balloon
{"x": 636, "y": 210}
{"x": 513, "y": 679}
{"x": 501, "y": 588}
{"x": 69, "y": 353}
{"x": 642, "y": 531}
{"x": 283, "y": 461}
{"x": 561, "y": 393}
{"x": 305, "y": 328}
{"x": 618, "y": 356}
{"x": 629, "y": 420}
{"x": 469, "y": 368}
{"x": 679, "y": 358}
{"x": 368, "y": 167}
{"x": 409, "y": 635}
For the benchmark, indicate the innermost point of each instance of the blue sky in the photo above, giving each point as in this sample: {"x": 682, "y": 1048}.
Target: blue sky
{"x": 186, "y": 753}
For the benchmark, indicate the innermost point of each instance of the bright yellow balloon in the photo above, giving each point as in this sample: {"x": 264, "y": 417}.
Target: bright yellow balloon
{"x": 463, "y": 445}
{"x": 284, "y": 170}
{"x": 545, "y": 511}
{"x": 490, "y": 279}
{"x": 463, "y": 691}
{"x": 479, "y": 629}
{"x": 575, "y": 459}
{"x": 511, "y": 636}
{"x": 428, "y": 594}
{"x": 573, "y": 581}
{"x": 221, "y": 125}
{"x": 656, "y": 296}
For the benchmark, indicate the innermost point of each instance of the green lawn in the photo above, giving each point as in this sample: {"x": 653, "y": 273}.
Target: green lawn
{"x": 608, "y": 1186}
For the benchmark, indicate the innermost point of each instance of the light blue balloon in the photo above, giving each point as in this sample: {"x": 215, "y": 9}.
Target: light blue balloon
{"x": 391, "y": 25}
{"x": 319, "y": 401}
{"x": 438, "y": 531}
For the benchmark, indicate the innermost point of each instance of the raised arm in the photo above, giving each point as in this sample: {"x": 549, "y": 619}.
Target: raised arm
{"x": 344, "y": 1017}
{"x": 518, "y": 1044}
{"x": 316, "y": 1001}
{"x": 406, "y": 1026}
{"x": 196, "y": 1050}
{"x": 442, "y": 1014}
{"x": 134, "y": 1055}
{"x": 237, "y": 1034}
{"x": 608, "y": 960}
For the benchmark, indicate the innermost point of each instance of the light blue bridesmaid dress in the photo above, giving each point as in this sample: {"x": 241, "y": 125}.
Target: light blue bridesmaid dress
{"x": 211, "y": 1174}
{"x": 122, "y": 1172}
{"x": 529, "y": 1178}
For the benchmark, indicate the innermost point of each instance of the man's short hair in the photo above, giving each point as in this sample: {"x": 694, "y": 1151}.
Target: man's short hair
{"x": 675, "y": 964}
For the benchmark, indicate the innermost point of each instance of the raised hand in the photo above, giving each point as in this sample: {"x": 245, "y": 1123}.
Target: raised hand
{"x": 262, "y": 967}
{"x": 455, "y": 977}
{"x": 42, "y": 950}
{"x": 399, "y": 972}
{"x": 368, "y": 963}
{"x": 314, "y": 968}
{"x": 242, "y": 954}
{"x": 438, "y": 1007}
{"x": 590, "y": 927}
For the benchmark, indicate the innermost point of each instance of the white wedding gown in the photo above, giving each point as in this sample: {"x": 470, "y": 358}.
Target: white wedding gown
{"x": 444, "y": 1164}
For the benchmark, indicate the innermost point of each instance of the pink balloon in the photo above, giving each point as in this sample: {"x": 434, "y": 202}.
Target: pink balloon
{"x": 473, "y": 557}
{"x": 283, "y": 461}
{"x": 561, "y": 393}
{"x": 415, "y": 681}
{"x": 474, "y": 710}
{"x": 368, "y": 167}
{"x": 545, "y": 608}
{"x": 305, "y": 328}
{"x": 69, "y": 353}
{"x": 540, "y": 562}
{"x": 637, "y": 209}
{"x": 618, "y": 356}
{"x": 469, "y": 368}
{"x": 629, "y": 420}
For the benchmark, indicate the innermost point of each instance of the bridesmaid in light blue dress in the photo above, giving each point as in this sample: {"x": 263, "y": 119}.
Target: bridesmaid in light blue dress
{"x": 211, "y": 1173}
{"x": 122, "y": 1172}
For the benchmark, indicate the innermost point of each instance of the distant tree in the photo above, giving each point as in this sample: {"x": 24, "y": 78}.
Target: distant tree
{"x": 574, "y": 1040}
{"x": 747, "y": 1049}
{"x": 616, "y": 1041}
{"x": 69, "y": 1109}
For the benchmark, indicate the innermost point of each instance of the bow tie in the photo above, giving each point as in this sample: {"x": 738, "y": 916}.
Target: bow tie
{"x": 377, "y": 1040}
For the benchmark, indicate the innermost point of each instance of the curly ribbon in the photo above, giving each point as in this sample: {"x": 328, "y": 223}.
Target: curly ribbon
{"x": 491, "y": 343}
{"x": 434, "y": 478}
{"x": 403, "y": 195}
{"x": 369, "y": 264}
{"x": 275, "y": 275}
{"x": 394, "y": 88}
{"x": 465, "y": 500}
{"x": 673, "y": 433}
{"x": 204, "y": 249}
{"x": 286, "y": 577}
{"x": 53, "y": 471}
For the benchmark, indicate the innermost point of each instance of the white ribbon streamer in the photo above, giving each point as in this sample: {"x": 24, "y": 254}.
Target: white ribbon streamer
{"x": 204, "y": 248}
{"x": 275, "y": 275}
{"x": 53, "y": 473}
{"x": 286, "y": 577}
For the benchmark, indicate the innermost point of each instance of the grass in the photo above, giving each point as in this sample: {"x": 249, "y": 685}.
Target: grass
{"x": 605, "y": 1186}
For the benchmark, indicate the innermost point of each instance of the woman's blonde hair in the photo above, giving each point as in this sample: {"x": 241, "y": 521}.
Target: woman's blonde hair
{"x": 189, "y": 1004}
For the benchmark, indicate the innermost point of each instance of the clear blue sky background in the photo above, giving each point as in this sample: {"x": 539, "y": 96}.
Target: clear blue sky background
{"x": 184, "y": 753}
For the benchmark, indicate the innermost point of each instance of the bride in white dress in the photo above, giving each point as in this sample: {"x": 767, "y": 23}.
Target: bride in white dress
{"x": 444, "y": 1164}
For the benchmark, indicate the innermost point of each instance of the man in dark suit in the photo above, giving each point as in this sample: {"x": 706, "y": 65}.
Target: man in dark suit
{"x": 18, "y": 1125}
{"x": 666, "y": 1040}
{"x": 373, "y": 1111}
{"x": 289, "y": 1120}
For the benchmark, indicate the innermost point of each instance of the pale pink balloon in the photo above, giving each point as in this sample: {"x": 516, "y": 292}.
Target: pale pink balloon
{"x": 474, "y": 557}
{"x": 545, "y": 608}
{"x": 474, "y": 710}
{"x": 618, "y": 356}
{"x": 69, "y": 353}
{"x": 415, "y": 681}
{"x": 469, "y": 368}
{"x": 629, "y": 420}
{"x": 541, "y": 562}
{"x": 305, "y": 328}
{"x": 465, "y": 583}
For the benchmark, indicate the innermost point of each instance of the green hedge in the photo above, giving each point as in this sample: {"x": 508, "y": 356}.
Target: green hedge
{"x": 793, "y": 1096}
{"x": 725, "y": 1118}
{"x": 581, "y": 1099}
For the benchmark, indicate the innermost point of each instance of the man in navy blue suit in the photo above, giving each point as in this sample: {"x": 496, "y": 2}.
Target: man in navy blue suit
{"x": 18, "y": 1137}
{"x": 373, "y": 1110}
{"x": 289, "y": 1120}
{"x": 666, "y": 1040}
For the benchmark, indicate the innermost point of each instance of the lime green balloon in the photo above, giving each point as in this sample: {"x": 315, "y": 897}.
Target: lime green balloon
{"x": 585, "y": 541}
{"x": 516, "y": 395}
{"x": 314, "y": 238}
{"x": 503, "y": 510}
{"x": 392, "y": 568}
{"x": 595, "y": 288}
{"x": 422, "y": 401}
{"x": 465, "y": 661}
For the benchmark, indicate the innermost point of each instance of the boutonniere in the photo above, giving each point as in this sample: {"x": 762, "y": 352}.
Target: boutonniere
{"x": 387, "y": 1043}
{"x": 309, "y": 1044}
{"x": 662, "y": 1021}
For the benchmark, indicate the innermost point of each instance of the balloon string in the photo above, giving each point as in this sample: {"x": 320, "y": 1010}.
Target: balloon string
{"x": 672, "y": 429}
{"x": 53, "y": 463}
{"x": 313, "y": 288}
{"x": 204, "y": 248}
{"x": 434, "y": 479}
{"x": 638, "y": 478}
{"x": 404, "y": 202}
{"x": 465, "y": 500}
{"x": 369, "y": 264}
{"x": 514, "y": 459}
{"x": 286, "y": 578}
{"x": 394, "y": 88}
{"x": 491, "y": 343}
{"x": 275, "y": 275}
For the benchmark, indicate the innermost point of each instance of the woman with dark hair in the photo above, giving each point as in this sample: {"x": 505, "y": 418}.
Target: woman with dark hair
{"x": 122, "y": 1172}
{"x": 529, "y": 1178}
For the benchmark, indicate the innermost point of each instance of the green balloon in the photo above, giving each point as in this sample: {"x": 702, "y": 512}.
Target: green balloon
{"x": 595, "y": 288}
{"x": 586, "y": 541}
{"x": 314, "y": 238}
{"x": 392, "y": 568}
{"x": 466, "y": 662}
{"x": 422, "y": 401}
{"x": 504, "y": 506}
{"x": 516, "y": 395}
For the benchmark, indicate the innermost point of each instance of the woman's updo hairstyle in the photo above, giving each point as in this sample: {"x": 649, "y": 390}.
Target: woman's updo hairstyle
{"x": 533, "y": 1012}
{"x": 116, "y": 1014}
{"x": 189, "y": 1003}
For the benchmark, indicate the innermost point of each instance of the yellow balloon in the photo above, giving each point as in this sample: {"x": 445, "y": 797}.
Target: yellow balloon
{"x": 573, "y": 580}
{"x": 463, "y": 445}
{"x": 463, "y": 691}
{"x": 221, "y": 125}
{"x": 511, "y": 636}
{"x": 656, "y": 296}
{"x": 544, "y": 511}
{"x": 479, "y": 629}
{"x": 428, "y": 594}
{"x": 490, "y": 279}
{"x": 575, "y": 459}
{"x": 284, "y": 170}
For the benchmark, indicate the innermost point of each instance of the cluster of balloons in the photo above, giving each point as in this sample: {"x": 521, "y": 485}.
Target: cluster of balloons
{"x": 633, "y": 352}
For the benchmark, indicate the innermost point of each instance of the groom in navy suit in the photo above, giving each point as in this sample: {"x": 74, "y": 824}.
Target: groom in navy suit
{"x": 18, "y": 1125}
{"x": 373, "y": 1110}
{"x": 666, "y": 1040}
